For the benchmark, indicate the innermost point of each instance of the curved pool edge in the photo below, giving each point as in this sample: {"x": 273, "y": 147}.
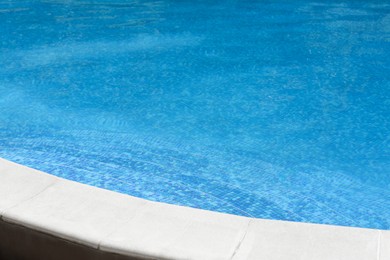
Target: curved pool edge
{"x": 119, "y": 226}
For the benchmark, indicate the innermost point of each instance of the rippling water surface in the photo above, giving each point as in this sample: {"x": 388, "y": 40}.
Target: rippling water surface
{"x": 272, "y": 109}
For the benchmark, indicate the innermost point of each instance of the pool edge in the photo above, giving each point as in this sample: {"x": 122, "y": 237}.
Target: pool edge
{"x": 118, "y": 225}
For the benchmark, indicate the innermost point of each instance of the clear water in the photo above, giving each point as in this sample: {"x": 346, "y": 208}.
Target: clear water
{"x": 273, "y": 109}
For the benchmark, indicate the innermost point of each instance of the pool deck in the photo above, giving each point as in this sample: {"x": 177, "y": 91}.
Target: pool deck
{"x": 35, "y": 204}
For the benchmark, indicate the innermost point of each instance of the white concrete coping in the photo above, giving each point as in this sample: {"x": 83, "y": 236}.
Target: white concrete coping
{"x": 127, "y": 225}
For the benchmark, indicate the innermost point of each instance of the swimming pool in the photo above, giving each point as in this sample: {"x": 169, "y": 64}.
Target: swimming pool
{"x": 269, "y": 109}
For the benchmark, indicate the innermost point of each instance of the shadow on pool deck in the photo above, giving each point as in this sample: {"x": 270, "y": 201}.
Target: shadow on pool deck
{"x": 18, "y": 243}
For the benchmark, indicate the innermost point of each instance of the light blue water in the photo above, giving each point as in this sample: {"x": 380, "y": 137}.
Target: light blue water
{"x": 272, "y": 109}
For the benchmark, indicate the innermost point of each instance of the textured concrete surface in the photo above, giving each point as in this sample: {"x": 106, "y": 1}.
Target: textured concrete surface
{"x": 46, "y": 217}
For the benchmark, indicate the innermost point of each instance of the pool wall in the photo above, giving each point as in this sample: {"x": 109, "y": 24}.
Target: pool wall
{"x": 46, "y": 217}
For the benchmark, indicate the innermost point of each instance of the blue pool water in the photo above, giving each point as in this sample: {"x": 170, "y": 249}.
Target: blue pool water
{"x": 271, "y": 109}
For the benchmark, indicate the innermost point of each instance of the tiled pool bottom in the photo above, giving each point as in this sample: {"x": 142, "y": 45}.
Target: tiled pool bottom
{"x": 273, "y": 109}
{"x": 184, "y": 175}
{"x": 54, "y": 211}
